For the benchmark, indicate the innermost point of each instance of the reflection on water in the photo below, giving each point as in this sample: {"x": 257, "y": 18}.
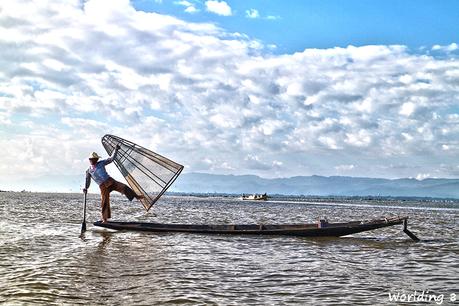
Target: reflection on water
{"x": 43, "y": 260}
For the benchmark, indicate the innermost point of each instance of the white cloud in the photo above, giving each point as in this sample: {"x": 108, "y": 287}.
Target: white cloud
{"x": 191, "y": 10}
{"x": 407, "y": 109}
{"x": 4, "y": 119}
{"x": 329, "y": 142}
{"x": 213, "y": 100}
{"x": 360, "y": 138}
{"x": 253, "y": 162}
{"x": 344, "y": 168}
{"x": 422, "y": 176}
{"x": 272, "y": 17}
{"x": 189, "y": 7}
{"x": 448, "y": 48}
{"x": 81, "y": 123}
{"x": 255, "y": 14}
{"x": 183, "y": 3}
{"x": 218, "y": 7}
{"x": 252, "y": 13}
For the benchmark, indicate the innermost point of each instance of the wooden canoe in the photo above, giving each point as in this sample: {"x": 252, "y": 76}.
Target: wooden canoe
{"x": 321, "y": 229}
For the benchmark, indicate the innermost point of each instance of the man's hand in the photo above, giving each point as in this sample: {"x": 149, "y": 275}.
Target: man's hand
{"x": 85, "y": 190}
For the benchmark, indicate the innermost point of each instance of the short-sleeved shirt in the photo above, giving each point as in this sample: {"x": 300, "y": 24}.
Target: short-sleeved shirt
{"x": 98, "y": 172}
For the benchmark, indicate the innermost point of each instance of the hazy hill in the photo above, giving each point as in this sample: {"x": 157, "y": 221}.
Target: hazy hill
{"x": 316, "y": 185}
{"x": 238, "y": 184}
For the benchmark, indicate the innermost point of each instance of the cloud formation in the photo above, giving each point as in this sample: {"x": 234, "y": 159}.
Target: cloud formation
{"x": 252, "y": 13}
{"x": 449, "y": 48}
{"x": 213, "y": 100}
{"x": 255, "y": 14}
{"x": 218, "y": 7}
{"x": 189, "y": 7}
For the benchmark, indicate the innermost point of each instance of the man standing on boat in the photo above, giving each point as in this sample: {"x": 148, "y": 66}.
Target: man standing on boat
{"x": 107, "y": 184}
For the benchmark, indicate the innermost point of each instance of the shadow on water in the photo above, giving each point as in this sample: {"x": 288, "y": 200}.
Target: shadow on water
{"x": 95, "y": 234}
{"x": 106, "y": 238}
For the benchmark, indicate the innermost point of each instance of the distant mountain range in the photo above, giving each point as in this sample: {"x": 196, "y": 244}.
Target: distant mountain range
{"x": 317, "y": 185}
{"x": 248, "y": 184}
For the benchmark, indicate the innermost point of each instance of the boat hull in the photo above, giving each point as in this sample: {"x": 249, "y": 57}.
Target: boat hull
{"x": 303, "y": 230}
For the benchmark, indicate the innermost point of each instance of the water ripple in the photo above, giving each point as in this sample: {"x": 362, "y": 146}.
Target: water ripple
{"x": 42, "y": 260}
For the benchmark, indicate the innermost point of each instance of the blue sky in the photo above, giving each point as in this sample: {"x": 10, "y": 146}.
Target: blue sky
{"x": 272, "y": 88}
{"x": 297, "y": 25}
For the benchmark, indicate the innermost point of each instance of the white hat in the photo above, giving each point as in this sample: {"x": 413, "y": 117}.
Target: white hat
{"x": 94, "y": 155}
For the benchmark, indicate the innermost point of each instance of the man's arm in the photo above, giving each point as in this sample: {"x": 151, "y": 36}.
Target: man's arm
{"x": 115, "y": 151}
{"x": 111, "y": 158}
{"x": 87, "y": 182}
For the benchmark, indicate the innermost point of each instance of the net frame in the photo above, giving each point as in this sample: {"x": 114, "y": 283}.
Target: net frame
{"x": 126, "y": 147}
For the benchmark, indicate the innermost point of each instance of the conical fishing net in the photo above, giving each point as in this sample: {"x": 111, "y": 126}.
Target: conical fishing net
{"x": 146, "y": 172}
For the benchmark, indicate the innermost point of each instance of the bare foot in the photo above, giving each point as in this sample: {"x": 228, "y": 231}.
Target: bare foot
{"x": 140, "y": 197}
{"x": 104, "y": 221}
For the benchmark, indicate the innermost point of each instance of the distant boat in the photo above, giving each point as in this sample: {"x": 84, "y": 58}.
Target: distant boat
{"x": 255, "y": 197}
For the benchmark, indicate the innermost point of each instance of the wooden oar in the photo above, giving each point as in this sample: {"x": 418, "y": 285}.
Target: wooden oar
{"x": 83, "y": 224}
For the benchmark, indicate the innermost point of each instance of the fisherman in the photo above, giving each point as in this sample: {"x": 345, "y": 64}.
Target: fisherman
{"x": 107, "y": 184}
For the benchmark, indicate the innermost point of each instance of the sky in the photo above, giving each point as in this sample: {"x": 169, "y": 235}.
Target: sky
{"x": 271, "y": 88}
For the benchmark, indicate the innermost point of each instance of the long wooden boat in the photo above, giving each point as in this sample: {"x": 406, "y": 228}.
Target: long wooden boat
{"x": 320, "y": 229}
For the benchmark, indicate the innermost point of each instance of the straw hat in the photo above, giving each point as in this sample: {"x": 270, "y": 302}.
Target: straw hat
{"x": 94, "y": 155}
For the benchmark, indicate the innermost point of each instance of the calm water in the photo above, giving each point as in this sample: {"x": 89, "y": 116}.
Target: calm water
{"x": 43, "y": 260}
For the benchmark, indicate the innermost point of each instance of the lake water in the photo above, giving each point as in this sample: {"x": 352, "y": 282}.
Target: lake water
{"x": 44, "y": 261}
